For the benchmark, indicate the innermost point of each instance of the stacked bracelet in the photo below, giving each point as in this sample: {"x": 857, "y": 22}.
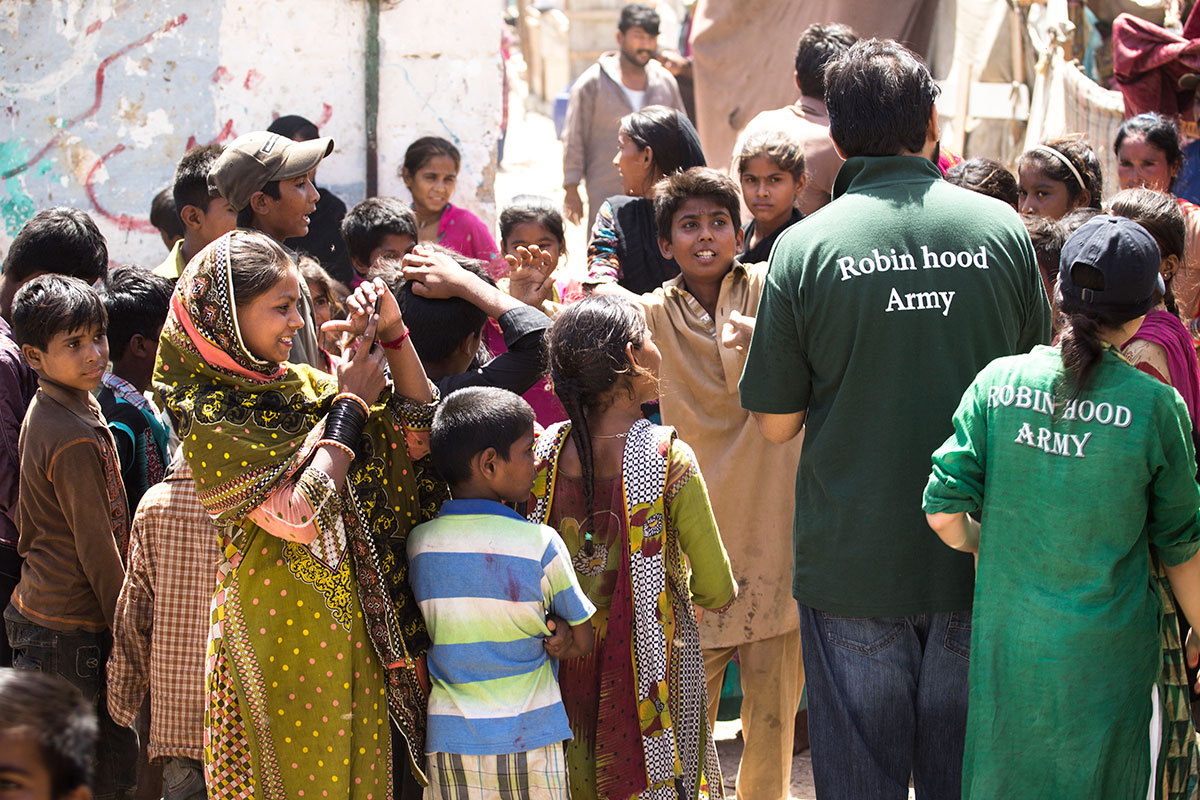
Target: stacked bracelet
{"x": 345, "y": 422}
{"x": 351, "y": 396}
{"x": 338, "y": 445}
{"x": 395, "y": 344}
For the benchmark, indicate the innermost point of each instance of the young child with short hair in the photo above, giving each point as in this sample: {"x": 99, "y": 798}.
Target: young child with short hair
{"x": 62, "y": 240}
{"x": 702, "y": 321}
{"x": 447, "y": 300}
{"x": 136, "y": 303}
{"x": 47, "y": 733}
{"x": 203, "y": 213}
{"x": 165, "y": 218}
{"x": 485, "y": 580}
{"x": 72, "y": 514}
{"x": 430, "y": 171}
{"x": 377, "y": 228}
{"x": 328, "y": 298}
{"x": 771, "y": 169}
{"x": 268, "y": 181}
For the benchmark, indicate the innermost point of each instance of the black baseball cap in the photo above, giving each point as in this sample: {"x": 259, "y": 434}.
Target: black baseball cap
{"x": 1127, "y": 258}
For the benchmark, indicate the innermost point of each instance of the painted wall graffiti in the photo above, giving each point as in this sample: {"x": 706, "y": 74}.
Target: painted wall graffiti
{"x": 100, "y": 98}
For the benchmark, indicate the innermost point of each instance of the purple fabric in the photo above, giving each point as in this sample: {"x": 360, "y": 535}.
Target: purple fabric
{"x": 1164, "y": 329}
{"x": 464, "y": 233}
{"x": 18, "y": 383}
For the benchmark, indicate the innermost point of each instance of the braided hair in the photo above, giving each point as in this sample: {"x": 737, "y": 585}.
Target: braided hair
{"x": 588, "y": 362}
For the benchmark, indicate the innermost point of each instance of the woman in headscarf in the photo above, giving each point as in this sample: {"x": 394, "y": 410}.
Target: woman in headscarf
{"x": 314, "y": 482}
{"x": 651, "y": 144}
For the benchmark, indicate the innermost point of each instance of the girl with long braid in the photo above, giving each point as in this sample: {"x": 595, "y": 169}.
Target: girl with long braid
{"x": 630, "y": 503}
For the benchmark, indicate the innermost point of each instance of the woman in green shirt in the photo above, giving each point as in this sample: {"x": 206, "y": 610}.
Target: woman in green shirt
{"x": 1079, "y": 466}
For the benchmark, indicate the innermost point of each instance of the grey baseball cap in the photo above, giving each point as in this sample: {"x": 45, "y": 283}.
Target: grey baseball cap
{"x": 252, "y": 161}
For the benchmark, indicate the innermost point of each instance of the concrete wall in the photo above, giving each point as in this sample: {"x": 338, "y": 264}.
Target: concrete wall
{"x": 100, "y": 98}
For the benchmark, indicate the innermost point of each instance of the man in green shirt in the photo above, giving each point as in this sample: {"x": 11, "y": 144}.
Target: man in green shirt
{"x": 876, "y": 314}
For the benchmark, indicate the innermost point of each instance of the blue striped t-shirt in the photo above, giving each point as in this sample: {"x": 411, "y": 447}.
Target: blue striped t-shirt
{"x": 485, "y": 579}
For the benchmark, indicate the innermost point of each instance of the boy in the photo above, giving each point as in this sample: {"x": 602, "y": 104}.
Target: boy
{"x": 771, "y": 170}
{"x": 47, "y": 733}
{"x": 161, "y": 629}
{"x": 204, "y": 214}
{"x": 62, "y": 240}
{"x": 72, "y": 514}
{"x": 378, "y": 228}
{"x": 164, "y": 217}
{"x": 701, "y": 321}
{"x": 485, "y": 580}
{"x": 268, "y": 181}
{"x": 446, "y": 300}
{"x": 135, "y": 302}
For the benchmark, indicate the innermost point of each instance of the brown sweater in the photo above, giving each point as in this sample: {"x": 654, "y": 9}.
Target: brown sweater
{"x": 72, "y": 514}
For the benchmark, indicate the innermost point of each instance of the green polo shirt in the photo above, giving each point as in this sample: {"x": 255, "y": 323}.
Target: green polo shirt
{"x": 877, "y": 313}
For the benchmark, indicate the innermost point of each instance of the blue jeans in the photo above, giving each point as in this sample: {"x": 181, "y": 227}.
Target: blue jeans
{"x": 183, "y": 779}
{"x": 80, "y": 658}
{"x": 887, "y": 700}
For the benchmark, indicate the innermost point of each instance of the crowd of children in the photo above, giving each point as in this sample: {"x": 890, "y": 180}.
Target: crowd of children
{"x": 281, "y": 535}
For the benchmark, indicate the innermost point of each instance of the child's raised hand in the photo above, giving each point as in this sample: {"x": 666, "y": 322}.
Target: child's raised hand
{"x": 361, "y": 304}
{"x": 560, "y": 636}
{"x": 435, "y": 275}
{"x": 529, "y": 279}
{"x": 737, "y": 332}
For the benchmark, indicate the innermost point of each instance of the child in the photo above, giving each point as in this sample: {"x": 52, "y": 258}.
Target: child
{"x": 135, "y": 302}
{"x": 161, "y": 627}
{"x": 1047, "y": 236}
{"x": 328, "y": 297}
{"x": 702, "y": 321}
{"x": 203, "y": 213}
{"x": 47, "y": 732}
{"x": 1055, "y": 178}
{"x": 377, "y": 228}
{"x": 446, "y": 301}
{"x": 485, "y": 580}
{"x": 628, "y": 499}
{"x": 1078, "y": 489}
{"x": 771, "y": 169}
{"x": 985, "y": 176}
{"x": 532, "y": 237}
{"x": 164, "y": 217}
{"x": 430, "y": 171}
{"x": 63, "y": 240}
{"x": 72, "y": 513}
{"x": 268, "y": 180}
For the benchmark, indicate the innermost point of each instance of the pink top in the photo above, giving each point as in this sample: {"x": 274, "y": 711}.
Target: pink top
{"x": 464, "y": 233}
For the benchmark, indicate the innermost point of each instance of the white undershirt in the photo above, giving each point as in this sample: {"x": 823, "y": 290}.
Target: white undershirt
{"x": 636, "y": 98}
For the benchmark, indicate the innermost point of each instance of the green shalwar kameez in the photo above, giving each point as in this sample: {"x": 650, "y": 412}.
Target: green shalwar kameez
{"x": 1065, "y": 649}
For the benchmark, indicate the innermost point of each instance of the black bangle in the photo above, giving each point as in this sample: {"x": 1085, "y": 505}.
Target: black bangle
{"x": 345, "y": 422}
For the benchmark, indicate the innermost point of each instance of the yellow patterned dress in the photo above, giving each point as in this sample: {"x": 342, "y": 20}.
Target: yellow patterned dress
{"x": 313, "y": 644}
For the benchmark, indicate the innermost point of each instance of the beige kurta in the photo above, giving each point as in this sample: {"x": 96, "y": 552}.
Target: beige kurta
{"x": 750, "y": 480}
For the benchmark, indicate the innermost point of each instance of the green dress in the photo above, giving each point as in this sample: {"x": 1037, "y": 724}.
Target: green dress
{"x": 1075, "y": 497}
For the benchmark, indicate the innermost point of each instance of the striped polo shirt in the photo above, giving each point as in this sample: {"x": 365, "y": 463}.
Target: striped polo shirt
{"x": 485, "y": 579}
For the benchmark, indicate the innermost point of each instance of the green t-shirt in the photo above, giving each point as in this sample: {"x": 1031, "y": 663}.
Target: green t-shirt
{"x": 1065, "y": 634}
{"x": 877, "y": 312}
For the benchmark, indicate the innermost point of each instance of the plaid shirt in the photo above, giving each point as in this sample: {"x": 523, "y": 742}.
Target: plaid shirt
{"x": 161, "y": 628}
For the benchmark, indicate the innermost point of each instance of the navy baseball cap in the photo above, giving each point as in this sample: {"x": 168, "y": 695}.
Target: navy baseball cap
{"x": 1127, "y": 258}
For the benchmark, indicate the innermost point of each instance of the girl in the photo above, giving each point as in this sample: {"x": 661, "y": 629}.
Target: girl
{"x": 1055, "y": 178}
{"x": 985, "y": 176}
{"x": 430, "y": 172}
{"x": 651, "y": 143}
{"x": 533, "y": 241}
{"x": 314, "y": 481}
{"x": 1162, "y": 348}
{"x": 328, "y": 296}
{"x": 628, "y": 499}
{"x": 1150, "y": 155}
{"x": 771, "y": 169}
{"x": 1082, "y": 468}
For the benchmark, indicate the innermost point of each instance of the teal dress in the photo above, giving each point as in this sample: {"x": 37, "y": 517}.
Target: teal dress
{"x": 1075, "y": 496}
